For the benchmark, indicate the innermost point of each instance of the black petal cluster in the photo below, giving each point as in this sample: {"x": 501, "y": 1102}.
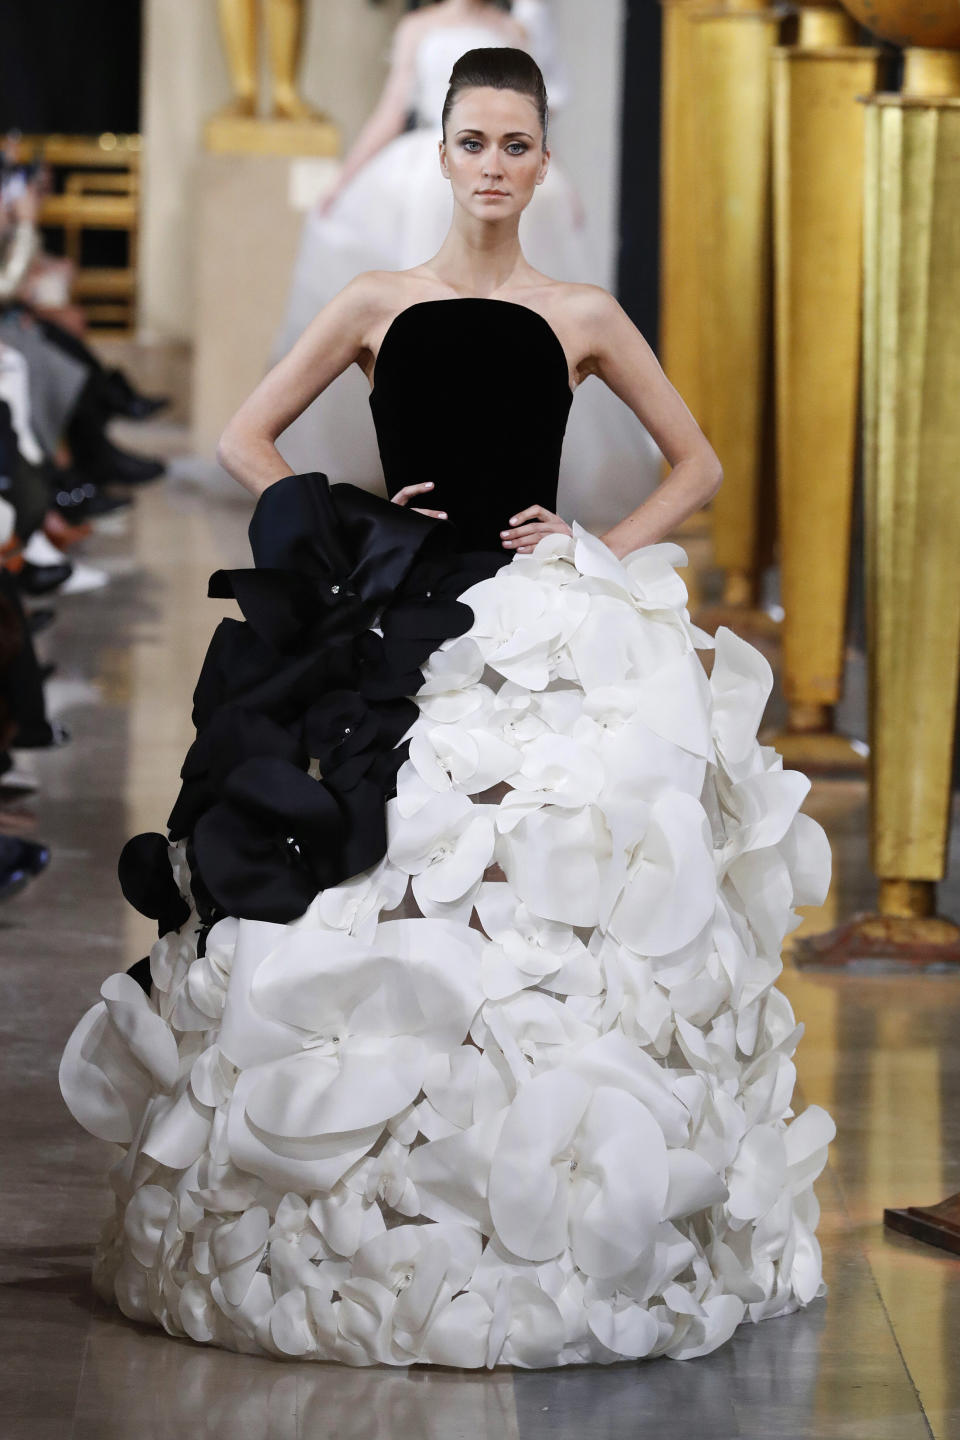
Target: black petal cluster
{"x": 302, "y": 706}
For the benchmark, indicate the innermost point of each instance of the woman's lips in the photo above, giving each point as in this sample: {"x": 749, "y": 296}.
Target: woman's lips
{"x": 495, "y": 194}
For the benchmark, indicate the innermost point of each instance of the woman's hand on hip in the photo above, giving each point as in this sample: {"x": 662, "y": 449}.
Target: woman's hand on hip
{"x": 529, "y": 527}
{"x": 404, "y": 496}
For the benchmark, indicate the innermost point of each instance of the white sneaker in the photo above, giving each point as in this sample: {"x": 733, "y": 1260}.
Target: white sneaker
{"x": 39, "y": 550}
{"x": 84, "y": 578}
{"x": 18, "y": 781}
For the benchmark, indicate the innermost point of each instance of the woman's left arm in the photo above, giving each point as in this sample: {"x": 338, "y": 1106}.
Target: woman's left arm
{"x": 617, "y": 352}
{"x": 624, "y": 361}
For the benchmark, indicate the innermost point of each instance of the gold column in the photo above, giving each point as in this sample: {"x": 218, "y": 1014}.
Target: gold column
{"x": 818, "y": 215}
{"x": 912, "y": 453}
{"x": 680, "y": 286}
{"x": 913, "y": 499}
{"x": 912, "y": 502}
{"x": 730, "y": 100}
{"x": 679, "y": 217}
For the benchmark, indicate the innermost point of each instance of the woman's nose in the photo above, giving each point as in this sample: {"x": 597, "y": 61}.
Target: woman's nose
{"x": 491, "y": 165}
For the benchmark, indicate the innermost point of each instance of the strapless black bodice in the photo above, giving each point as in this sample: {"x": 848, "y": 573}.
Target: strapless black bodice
{"x": 474, "y": 395}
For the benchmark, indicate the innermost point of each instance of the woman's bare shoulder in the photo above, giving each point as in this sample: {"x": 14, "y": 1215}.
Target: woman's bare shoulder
{"x": 375, "y": 293}
{"x": 588, "y": 303}
{"x": 576, "y": 306}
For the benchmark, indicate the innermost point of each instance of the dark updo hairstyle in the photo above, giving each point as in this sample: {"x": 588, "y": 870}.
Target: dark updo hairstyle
{"x": 498, "y": 67}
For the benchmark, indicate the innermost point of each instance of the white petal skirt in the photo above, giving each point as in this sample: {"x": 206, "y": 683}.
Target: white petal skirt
{"x": 521, "y": 1094}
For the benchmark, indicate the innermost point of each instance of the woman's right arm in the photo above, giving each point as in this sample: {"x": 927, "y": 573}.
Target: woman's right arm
{"x": 329, "y": 345}
{"x": 390, "y": 113}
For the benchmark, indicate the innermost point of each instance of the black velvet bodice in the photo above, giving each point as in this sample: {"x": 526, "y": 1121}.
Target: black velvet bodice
{"x": 474, "y": 395}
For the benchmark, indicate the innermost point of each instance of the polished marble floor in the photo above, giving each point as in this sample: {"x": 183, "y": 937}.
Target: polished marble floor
{"x": 878, "y": 1360}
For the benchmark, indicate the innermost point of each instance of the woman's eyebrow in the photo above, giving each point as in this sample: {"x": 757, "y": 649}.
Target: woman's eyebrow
{"x": 509, "y": 134}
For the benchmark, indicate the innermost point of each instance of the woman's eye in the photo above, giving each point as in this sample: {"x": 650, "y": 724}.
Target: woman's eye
{"x": 472, "y": 145}
{"x": 516, "y": 147}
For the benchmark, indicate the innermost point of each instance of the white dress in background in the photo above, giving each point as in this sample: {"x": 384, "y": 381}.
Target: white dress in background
{"x": 394, "y": 215}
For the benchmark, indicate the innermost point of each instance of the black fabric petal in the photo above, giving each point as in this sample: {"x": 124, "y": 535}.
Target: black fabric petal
{"x": 146, "y": 880}
{"x": 249, "y": 869}
{"x": 413, "y": 631}
{"x": 233, "y": 735}
{"x": 140, "y": 971}
{"x": 279, "y": 606}
{"x": 338, "y": 727}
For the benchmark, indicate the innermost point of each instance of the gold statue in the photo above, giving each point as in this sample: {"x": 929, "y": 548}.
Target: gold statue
{"x": 284, "y": 124}
{"x": 283, "y": 22}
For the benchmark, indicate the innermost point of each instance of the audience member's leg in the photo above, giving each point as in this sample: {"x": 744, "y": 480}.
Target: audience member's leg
{"x": 21, "y": 683}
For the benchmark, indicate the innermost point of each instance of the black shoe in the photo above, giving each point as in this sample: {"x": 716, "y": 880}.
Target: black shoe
{"x": 124, "y": 399}
{"x": 42, "y": 579}
{"x": 100, "y": 503}
{"x": 44, "y": 735}
{"x": 20, "y": 861}
{"x": 116, "y": 466}
{"x": 86, "y": 501}
{"x": 39, "y": 619}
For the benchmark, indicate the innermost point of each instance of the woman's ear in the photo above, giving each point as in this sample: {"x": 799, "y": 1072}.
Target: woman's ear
{"x": 544, "y": 166}
{"x": 442, "y": 150}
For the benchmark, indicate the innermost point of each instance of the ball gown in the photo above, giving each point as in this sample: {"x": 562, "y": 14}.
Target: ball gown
{"x": 394, "y": 215}
{"x": 461, "y": 1043}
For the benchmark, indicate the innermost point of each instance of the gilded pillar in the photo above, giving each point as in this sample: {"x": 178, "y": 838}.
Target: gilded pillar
{"x": 911, "y": 463}
{"x": 912, "y": 496}
{"x": 911, "y": 448}
{"x": 679, "y": 218}
{"x": 680, "y": 286}
{"x": 913, "y": 200}
{"x": 818, "y": 160}
{"x": 730, "y": 103}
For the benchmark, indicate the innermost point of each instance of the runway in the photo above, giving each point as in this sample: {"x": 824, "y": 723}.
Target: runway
{"x": 875, "y": 1361}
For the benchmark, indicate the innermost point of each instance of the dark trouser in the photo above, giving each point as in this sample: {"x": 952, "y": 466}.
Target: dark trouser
{"x": 24, "y": 486}
{"x": 23, "y": 711}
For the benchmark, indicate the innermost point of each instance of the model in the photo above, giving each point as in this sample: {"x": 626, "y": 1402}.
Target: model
{"x": 461, "y": 1043}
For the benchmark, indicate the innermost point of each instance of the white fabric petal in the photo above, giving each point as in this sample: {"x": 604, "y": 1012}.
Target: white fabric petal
{"x": 757, "y": 1175}
{"x": 533, "y": 1326}
{"x": 237, "y": 1249}
{"x": 741, "y": 681}
{"x": 806, "y": 850}
{"x": 722, "y": 1315}
{"x": 621, "y": 1189}
{"x": 452, "y": 1174}
{"x": 694, "y": 1185}
{"x": 118, "y": 1054}
{"x": 552, "y": 860}
{"x": 673, "y": 859}
{"x": 176, "y": 1131}
{"x": 627, "y": 1330}
{"x": 144, "y": 1221}
{"x": 805, "y": 1143}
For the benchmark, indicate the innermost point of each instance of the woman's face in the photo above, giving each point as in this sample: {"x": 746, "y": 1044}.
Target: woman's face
{"x": 493, "y": 152}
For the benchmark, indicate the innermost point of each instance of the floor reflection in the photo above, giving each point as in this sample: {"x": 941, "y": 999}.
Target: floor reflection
{"x": 829, "y": 1371}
